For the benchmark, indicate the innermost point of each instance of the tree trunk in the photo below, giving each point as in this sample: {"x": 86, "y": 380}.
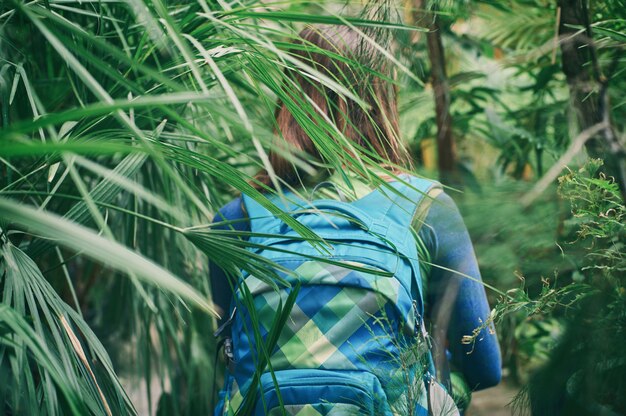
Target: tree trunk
{"x": 446, "y": 147}
{"x": 589, "y": 88}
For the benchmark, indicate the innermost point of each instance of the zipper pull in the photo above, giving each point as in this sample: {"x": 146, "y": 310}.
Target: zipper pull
{"x": 420, "y": 327}
{"x": 229, "y": 352}
{"x": 226, "y": 324}
{"x": 418, "y": 319}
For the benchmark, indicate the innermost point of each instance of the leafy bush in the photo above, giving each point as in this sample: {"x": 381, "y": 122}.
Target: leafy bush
{"x": 585, "y": 371}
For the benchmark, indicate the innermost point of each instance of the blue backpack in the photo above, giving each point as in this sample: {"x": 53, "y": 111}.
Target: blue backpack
{"x": 346, "y": 336}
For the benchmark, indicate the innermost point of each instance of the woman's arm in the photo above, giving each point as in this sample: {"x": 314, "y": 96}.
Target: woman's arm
{"x": 220, "y": 286}
{"x": 459, "y": 302}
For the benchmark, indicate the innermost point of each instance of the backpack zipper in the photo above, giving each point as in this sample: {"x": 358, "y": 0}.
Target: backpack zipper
{"x": 420, "y": 327}
{"x": 229, "y": 350}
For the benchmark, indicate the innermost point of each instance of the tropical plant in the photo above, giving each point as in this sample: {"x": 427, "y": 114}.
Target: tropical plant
{"x": 124, "y": 126}
{"x": 585, "y": 371}
{"x": 517, "y": 114}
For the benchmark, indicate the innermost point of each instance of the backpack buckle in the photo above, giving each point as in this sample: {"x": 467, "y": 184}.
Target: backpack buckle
{"x": 229, "y": 354}
{"x": 227, "y": 342}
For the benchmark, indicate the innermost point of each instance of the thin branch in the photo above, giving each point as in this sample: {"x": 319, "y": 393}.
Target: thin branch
{"x": 556, "y": 34}
{"x": 575, "y": 147}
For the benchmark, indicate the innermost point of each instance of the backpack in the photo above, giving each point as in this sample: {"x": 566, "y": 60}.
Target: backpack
{"x": 346, "y": 336}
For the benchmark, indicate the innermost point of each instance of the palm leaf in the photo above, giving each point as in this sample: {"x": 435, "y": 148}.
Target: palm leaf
{"x": 110, "y": 253}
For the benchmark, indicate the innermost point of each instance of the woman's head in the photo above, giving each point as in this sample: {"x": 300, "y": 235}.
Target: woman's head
{"x": 348, "y": 59}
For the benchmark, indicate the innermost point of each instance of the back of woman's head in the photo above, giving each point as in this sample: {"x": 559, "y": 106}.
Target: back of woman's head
{"x": 352, "y": 63}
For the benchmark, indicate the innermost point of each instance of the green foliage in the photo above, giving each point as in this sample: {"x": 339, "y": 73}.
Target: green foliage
{"x": 586, "y": 373}
{"x": 599, "y": 216}
{"x": 587, "y": 284}
{"x": 124, "y": 126}
{"x": 575, "y": 365}
{"x": 41, "y": 354}
{"x": 524, "y": 122}
{"x": 535, "y": 340}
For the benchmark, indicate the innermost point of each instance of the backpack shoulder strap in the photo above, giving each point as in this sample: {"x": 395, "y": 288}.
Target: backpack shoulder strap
{"x": 422, "y": 209}
{"x": 401, "y": 204}
{"x": 262, "y": 220}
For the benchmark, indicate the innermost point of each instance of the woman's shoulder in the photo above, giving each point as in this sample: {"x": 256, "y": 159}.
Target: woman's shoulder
{"x": 230, "y": 211}
{"x": 443, "y": 207}
{"x": 443, "y": 226}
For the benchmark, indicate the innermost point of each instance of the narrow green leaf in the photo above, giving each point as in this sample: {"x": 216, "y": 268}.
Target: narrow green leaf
{"x": 108, "y": 252}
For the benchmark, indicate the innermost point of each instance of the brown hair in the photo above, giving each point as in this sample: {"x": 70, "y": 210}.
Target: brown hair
{"x": 373, "y": 130}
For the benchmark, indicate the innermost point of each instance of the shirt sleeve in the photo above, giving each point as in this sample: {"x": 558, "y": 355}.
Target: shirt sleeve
{"x": 456, "y": 296}
{"x": 227, "y": 218}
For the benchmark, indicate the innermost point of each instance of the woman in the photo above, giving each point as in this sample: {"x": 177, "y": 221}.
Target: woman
{"x": 457, "y": 305}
